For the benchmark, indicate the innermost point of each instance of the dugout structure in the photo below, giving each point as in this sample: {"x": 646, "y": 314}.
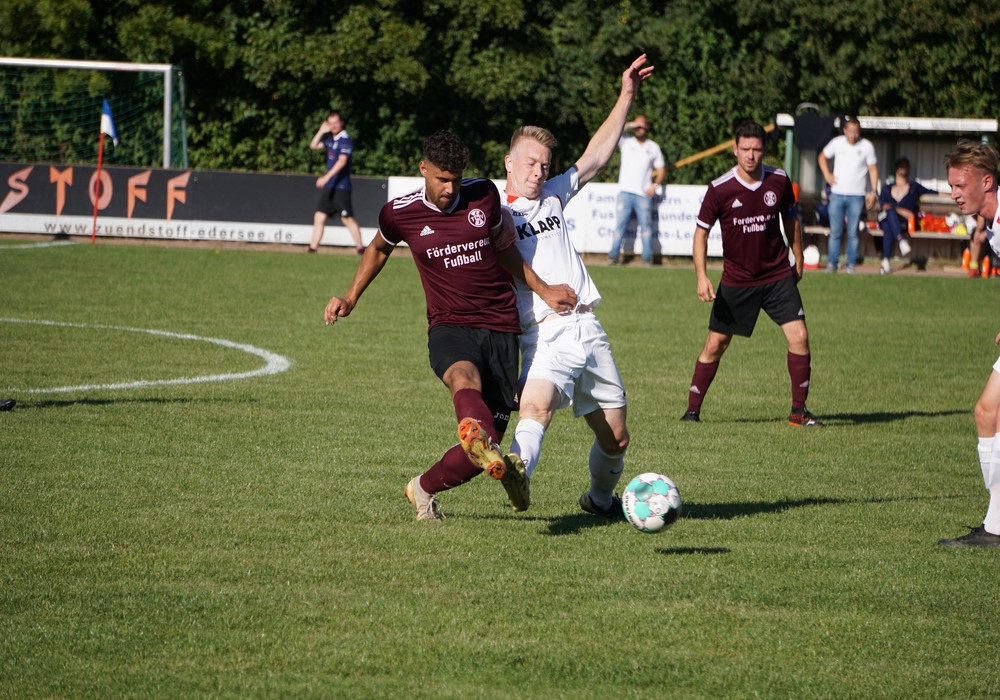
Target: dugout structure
{"x": 923, "y": 140}
{"x": 50, "y": 110}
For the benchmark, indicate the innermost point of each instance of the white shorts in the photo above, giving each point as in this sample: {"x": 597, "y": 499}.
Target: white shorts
{"x": 996, "y": 365}
{"x": 572, "y": 352}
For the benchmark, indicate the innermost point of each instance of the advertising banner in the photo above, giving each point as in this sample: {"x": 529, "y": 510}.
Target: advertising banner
{"x": 195, "y": 205}
{"x": 188, "y": 205}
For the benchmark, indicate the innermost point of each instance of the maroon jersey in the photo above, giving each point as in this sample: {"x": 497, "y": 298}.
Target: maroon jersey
{"x": 455, "y": 254}
{"x": 753, "y": 250}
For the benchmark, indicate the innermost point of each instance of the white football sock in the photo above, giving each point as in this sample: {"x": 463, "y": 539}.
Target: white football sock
{"x": 991, "y": 475}
{"x": 986, "y": 458}
{"x": 992, "y": 520}
{"x": 528, "y": 443}
{"x": 605, "y": 472}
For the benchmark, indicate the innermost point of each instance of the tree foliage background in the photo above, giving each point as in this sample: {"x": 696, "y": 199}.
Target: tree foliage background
{"x": 261, "y": 74}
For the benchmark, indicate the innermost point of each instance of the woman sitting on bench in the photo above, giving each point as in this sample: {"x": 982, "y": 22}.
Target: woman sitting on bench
{"x": 897, "y": 209}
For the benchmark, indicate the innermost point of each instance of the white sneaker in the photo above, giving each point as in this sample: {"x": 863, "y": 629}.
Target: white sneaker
{"x": 427, "y": 507}
{"x": 885, "y": 269}
{"x": 904, "y": 247}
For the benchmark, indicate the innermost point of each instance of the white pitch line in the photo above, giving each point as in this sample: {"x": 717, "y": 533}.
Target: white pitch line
{"x": 49, "y": 244}
{"x": 274, "y": 363}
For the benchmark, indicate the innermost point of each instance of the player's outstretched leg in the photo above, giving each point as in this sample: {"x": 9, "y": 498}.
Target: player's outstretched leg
{"x": 427, "y": 507}
{"x": 480, "y": 448}
{"x": 509, "y": 469}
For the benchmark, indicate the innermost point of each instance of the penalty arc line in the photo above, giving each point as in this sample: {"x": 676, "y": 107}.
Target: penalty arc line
{"x": 274, "y": 363}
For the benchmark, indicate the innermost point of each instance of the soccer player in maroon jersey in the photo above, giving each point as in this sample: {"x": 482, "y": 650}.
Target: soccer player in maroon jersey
{"x": 461, "y": 243}
{"x": 748, "y": 202}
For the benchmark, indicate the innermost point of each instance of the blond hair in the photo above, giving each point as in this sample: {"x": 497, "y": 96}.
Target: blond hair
{"x": 536, "y": 133}
{"x": 974, "y": 154}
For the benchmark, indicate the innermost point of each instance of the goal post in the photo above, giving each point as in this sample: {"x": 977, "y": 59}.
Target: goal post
{"x": 165, "y": 70}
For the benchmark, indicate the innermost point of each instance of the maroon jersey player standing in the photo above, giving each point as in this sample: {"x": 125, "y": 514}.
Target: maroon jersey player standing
{"x": 748, "y": 202}
{"x": 461, "y": 245}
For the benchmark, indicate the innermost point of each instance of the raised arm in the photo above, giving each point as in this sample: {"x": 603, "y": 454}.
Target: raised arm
{"x": 605, "y": 139}
{"x": 317, "y": 140}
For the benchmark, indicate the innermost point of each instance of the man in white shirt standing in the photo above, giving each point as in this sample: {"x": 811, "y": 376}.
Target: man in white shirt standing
{"x": 853, "y": 158}
{"x": 641, "y": 172}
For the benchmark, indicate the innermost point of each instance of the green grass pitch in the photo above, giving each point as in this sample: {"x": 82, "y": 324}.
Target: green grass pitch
{"x": 249, "y": 538}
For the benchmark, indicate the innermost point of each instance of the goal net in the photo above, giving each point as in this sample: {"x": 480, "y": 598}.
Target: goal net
{"x": 51, "y": 112}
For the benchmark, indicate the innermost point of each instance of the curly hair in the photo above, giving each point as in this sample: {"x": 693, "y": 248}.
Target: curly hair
{"x": 446, "y": 150}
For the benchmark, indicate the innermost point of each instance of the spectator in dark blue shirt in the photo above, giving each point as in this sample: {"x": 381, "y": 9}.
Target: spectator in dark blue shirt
{"x": 898, "y": 203}
{"x": 336, "y": 181}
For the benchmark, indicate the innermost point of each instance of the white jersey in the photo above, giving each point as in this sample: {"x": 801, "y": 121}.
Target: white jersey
{"x": 992, "y": 235}
{"x": 544, "y": 243}
{"x": 850, "y": 165}
{"x": 639, "y": 160}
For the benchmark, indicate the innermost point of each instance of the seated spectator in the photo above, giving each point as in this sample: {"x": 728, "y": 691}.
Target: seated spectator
{"x": 898, "y": 211}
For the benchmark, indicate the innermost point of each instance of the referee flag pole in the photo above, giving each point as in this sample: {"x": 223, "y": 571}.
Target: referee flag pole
{"x": 107, "y": 127}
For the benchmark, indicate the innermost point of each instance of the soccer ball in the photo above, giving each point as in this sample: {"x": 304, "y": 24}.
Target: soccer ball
{"x": 651, "y": 502}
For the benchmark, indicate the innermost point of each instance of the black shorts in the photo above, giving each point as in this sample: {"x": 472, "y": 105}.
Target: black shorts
{"x": 736, "y": 309}
{"x": 494, "y": 353}
{"x": 335, "y": 203}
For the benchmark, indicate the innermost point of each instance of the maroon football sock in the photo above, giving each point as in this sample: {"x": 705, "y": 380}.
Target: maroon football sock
{"x": 799, "y": 371}
{"x": 469, "y": 404}
{"x": 454, "y": 469}
{"x": 704, "y": 373}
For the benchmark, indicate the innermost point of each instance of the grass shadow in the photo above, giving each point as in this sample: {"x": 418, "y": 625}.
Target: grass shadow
{"x": 892, "y": 416}
{"x": 729, "y": 511}
{"x": 835, "y": 419}
{"x": 692, "y": 550}
{"x": 578, "y": 522}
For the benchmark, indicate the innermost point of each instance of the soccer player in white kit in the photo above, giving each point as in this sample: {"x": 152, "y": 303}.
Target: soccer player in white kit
{"x": 972, "y": 175}
{"x": 566, "y": 358}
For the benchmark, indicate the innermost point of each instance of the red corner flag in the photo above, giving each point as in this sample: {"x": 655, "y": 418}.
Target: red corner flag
{"x": 107, "y": 127}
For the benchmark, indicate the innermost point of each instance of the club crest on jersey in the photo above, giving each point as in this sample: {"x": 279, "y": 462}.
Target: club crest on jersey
{"x": 477, "y": 218}
{"x": 770, "y": 198}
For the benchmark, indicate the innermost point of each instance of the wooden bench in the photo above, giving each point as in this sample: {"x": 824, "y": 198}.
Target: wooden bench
{"x": 927, "y": 245}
